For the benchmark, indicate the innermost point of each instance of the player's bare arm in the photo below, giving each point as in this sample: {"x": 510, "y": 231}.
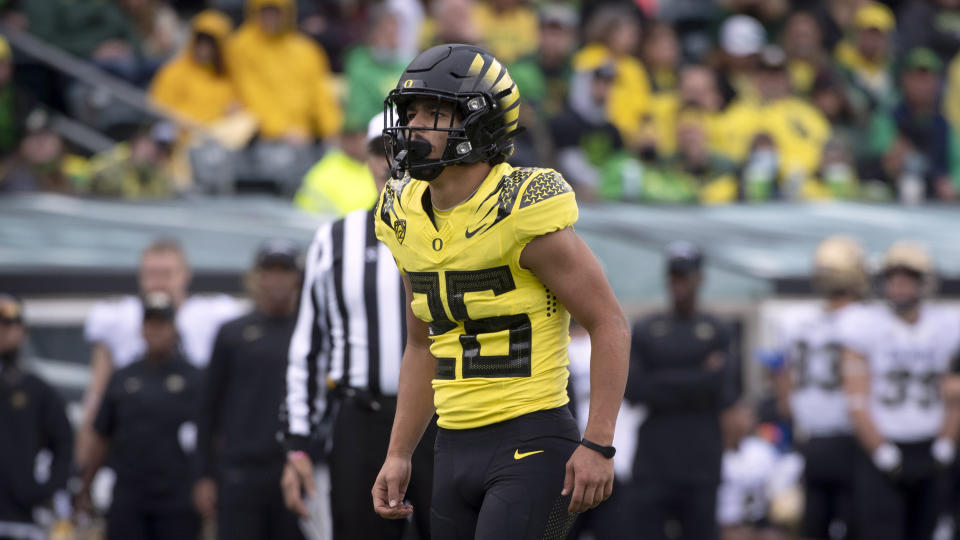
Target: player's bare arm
{"x": 564, "y": 263}
{"x": 101, "y": 367}
{"x": 950, "y": 393}
{"x": 856, "y": 384}
{"x": 414, "y": 411}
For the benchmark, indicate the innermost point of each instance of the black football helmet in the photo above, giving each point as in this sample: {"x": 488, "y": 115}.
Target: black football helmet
{"x": 485, "y": 100}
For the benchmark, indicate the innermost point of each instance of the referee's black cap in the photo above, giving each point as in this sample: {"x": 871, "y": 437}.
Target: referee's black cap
{"x": 279, "y": 253}
{"x": 683, "y": 258}
{"x": 158, "y": 306}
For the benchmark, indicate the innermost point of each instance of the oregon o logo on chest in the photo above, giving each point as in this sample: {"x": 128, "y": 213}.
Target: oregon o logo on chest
{"x": 437, "y": 244}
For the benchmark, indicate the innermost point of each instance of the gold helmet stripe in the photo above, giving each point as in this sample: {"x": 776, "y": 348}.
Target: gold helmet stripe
{"x": 475, "y": 66}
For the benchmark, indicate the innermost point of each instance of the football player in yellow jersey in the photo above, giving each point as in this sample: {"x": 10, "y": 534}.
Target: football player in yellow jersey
{"x": 493, "y": 271}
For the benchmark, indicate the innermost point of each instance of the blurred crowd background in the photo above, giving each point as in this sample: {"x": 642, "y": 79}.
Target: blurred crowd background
{"x": 684, "y": 102}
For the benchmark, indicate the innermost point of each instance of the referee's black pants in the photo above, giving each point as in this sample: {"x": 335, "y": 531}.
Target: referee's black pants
{"x": 361, "y": 436}
{"x": 250, "y": 505}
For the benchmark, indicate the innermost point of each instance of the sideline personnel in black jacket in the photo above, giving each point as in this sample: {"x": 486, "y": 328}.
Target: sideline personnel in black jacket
{"x": 241, "y": 457}
{"x": 146, "y": 423}
{"x": 32, "y": 419}
{"x": 679, "y": 369}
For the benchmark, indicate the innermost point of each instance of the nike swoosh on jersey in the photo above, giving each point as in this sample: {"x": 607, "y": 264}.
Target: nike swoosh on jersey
{"x": 469, "y": 234}
{"x": 518, "y": 455}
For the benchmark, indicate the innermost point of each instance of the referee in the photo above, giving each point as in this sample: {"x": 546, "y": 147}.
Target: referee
{"x": 349, "y": 338}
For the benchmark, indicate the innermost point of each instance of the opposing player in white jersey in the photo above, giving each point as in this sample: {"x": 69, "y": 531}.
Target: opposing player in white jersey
{"x": 900, "y": 377}
{"x": 810, "y": 387}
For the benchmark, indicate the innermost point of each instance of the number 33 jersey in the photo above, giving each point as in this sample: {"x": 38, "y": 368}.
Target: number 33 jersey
{"x": 499, "y": 335}
{"x": 906, "y": 362}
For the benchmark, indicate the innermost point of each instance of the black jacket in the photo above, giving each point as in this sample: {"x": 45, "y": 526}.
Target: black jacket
{"x": 680, "y": 440}
{"x": 32, "y": 418}
{"x": 244, "y": 387}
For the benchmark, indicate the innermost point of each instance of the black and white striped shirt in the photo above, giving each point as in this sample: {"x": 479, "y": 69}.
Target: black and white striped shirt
{"x": 351, "y": 328}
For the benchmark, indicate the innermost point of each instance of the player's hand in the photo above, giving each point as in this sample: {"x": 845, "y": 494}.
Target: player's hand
{"x": 205, "y": 497}
{"x": 944, "y": 451}
{"x": 297, "y": 478}
{"x": 83, "y": 502}
{"x": 888, "y": 459}
{"x": 391, "y": 487}
{"x": 589, "y": 479}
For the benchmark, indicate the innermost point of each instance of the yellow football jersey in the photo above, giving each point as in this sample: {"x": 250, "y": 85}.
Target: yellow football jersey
{"x": 499, "y": 335}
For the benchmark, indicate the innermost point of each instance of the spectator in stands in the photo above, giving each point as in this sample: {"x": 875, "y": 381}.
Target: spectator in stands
{"x": 613, "y": 35}
{"x": 241, "y": 460}
{"x": 196, "y": 84}
{"x": 41, "y": 163}
{"x": 15, "y": 104}
{"x": 147, "y": 425}
{"x": 373, "y": 68}
{"x": 451, "y": 21}
{"x": 798, "y": 129}
{"x": 770, "y": 13}
{"x": 694, "y": 157}
{"x": 836, "y": 178}
{"x": 509, "y": 28}
{"x": 544, "y": 77}
{"x": 341, "y": 181}
{"x": 32, "y": 420}
{"x": 160, "y": 29}
{"x": 282, "y": 76}
{"x": 699, "y": 90}
{"x": 951, "y": 92}
{"x": 661, "y": 58}
{"x": 931, "y": 24}
{"x": 829, "y": 97}
{"x": 113, "y": 326}
{"x": 914, "y": 140}
{"x": 802, "y": 41}
{"x": 92, "y": 30}
{"x": 757, "y": 180}
{"x": 867, "y": 61}
{"x": 835, "y": 19}
{"x": 741, "y": 39}
{"x": 138, "y": 169}
{"x": 589, "y": 150}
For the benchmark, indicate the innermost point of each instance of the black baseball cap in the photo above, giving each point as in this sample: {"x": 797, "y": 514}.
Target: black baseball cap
{"x": 279, "y": 252}
{"x": 11, "y": 309}
{"x": 683, "y": 258}
{"x": 158, "y": 306}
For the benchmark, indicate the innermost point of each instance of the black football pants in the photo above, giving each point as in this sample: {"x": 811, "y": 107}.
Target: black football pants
{"x": 828, "y": 485}
{"x": 503, "y": 481}
{"x": 903, "y": 506}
